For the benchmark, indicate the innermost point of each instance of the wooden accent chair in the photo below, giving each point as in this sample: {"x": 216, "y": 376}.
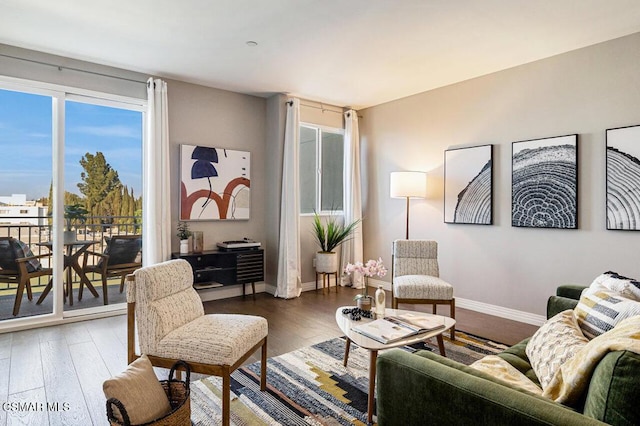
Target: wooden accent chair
{"x": 120, "y": 257}
{"x": 415, "y": 277}
{"x": 17, "y": 266}
{"x": 171, "y": 324}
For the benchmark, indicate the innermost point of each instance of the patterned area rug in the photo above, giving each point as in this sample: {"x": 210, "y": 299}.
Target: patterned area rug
{"x": 310, "y": 386}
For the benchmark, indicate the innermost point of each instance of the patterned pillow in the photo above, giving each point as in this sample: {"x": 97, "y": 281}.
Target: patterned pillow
{"x": 611, "y": 281}
{"x": 598, "y": 312}
{"x": 554, "y": 343}
{"x": 22, "y": 250}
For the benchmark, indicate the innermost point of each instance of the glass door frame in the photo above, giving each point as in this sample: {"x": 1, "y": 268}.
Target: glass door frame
{"x": 59, "y": 95}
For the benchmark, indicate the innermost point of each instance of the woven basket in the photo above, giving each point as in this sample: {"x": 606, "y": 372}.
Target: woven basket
{"x": 178, "y": 393}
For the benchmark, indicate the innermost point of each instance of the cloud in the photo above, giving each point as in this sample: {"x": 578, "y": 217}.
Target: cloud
{"x": 113, "y": 131}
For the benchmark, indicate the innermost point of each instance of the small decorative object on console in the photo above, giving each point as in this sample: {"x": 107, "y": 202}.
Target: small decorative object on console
{"x": 243, "y": 244}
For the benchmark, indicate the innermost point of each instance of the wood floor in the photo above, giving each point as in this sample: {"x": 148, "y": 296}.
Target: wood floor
{"x": 64, "y": 366}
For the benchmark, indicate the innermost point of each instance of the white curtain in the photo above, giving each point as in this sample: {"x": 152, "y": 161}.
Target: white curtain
{"x": 352, "y": 250}
{"x": 156, "y": 210}
{"x": 289, "y": 281}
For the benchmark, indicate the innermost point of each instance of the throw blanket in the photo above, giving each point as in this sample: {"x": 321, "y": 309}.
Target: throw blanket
{"x": 573, "y": 377}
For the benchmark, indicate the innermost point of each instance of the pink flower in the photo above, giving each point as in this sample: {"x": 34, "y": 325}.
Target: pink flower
{"x": 370, "y": 269}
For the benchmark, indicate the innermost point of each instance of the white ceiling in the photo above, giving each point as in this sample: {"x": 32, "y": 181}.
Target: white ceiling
{"x": 354, "y": 53}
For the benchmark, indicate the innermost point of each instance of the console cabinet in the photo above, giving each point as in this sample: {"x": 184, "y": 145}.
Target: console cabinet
{"x": 215, "y": 268}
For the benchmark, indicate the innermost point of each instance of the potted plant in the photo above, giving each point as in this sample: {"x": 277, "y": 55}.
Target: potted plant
{"x": 183, "y": 234}
{"x": 370, "y": 269}
{"x": 329, "y": 235}
{"x": 73, "y": 213}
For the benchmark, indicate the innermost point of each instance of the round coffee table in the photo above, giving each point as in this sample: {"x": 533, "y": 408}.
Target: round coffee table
{"x": 373, "y": 346}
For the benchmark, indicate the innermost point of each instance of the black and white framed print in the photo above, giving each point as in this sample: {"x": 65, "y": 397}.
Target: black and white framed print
{"x": 623, "y": 178}
{"x": 468, "y": 185}
{"x": 544, "y": 183}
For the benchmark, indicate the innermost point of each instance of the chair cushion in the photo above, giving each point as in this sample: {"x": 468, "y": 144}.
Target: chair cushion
{"x": 161, "y": 280}
{"x": 413, "y": 257}
{"x": 122, "y": 250}
{"x": 139, "y": 390}
{"x": 12, "y": 249}
{"x": 219, "y": 339}
{"x": 554, "y": 343}
{"x": 421, "y": 287}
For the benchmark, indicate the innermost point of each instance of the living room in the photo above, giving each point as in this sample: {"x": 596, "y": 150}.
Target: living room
{"x": 500, "y": 270}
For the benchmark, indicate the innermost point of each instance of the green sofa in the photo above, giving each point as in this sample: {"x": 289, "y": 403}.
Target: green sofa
{"x": 423, "y": 388}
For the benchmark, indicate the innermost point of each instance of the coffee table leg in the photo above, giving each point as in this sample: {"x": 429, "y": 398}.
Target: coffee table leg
{"x": 441, "y": 344}
{"x": 372, "y": 385}
{"x": 346, "y": 352}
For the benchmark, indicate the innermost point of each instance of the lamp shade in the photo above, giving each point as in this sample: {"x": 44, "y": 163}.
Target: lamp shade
{"x": 408, "y": 184}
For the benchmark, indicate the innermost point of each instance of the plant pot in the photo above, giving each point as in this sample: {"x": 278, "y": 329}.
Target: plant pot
{"x": 184, "y": 246}
{"x": 70, "y": 236}
{"x": 326, "y": 261}
{"x": 365, "y": 303}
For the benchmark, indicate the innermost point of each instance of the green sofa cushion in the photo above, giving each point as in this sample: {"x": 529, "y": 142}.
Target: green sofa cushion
{"x": 614, "y": 389}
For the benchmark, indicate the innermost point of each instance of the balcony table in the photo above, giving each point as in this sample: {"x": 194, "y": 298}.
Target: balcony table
{"x": 74, "y": 249}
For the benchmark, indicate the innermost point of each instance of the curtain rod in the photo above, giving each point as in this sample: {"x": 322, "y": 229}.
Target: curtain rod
{"x": 60, "y": 68}
{"x": 316, "y": 107}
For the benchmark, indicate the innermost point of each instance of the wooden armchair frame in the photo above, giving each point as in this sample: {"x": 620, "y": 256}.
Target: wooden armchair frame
{"x": 22, "y": 277}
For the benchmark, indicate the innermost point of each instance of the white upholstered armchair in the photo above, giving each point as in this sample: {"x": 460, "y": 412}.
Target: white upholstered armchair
{"x": 172, "y": 325}
{"x": 416, "y": 277}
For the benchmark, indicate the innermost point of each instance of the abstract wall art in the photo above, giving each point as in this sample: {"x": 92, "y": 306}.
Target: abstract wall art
{"x": 544, "y": 192}
{"x": 468, "y": 185}
{"x": 215, "y": 183}
{"x": 623, "y": 178}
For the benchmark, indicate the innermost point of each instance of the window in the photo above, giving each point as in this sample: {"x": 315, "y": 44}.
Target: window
{"x": 321, "y": 169}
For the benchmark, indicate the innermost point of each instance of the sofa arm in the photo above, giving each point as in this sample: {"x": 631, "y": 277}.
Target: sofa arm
{"x": 425, "y": 388}
{"x": 570, "y": 291}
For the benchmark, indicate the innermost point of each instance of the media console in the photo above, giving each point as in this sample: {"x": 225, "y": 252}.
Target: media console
{"x": 215, "y": 268}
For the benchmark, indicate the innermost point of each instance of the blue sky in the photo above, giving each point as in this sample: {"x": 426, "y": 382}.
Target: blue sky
{"x": 26, "y": 143}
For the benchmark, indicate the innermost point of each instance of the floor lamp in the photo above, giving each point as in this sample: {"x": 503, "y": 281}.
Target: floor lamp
{"x": 408, "y": 185}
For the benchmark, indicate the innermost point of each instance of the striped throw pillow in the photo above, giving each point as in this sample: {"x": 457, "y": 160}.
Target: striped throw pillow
{"x": 600, "y": 311}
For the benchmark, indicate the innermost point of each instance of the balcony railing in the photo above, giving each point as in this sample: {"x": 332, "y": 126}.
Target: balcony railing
{"x": 96, "y": 228}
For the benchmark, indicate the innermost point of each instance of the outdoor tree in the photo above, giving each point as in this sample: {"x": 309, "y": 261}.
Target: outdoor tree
{"x": 99, "y": 183}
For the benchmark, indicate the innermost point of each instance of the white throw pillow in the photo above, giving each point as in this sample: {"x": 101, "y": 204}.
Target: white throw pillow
{"x": 611, "y": 281}
{"x": 554, "y": 343}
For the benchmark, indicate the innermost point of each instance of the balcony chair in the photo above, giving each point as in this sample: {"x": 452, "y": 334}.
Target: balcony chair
{"x": 120, "y": 257}
{"x": 18, "y": 265}
{"x": 415, "y": 277}
{"x": 171, "y": 325}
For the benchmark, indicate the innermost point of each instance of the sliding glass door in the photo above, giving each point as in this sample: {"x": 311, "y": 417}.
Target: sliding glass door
{"x": 70, "y": 185}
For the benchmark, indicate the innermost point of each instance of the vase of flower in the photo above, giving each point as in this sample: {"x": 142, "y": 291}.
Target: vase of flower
{"x": 372, "y": 268}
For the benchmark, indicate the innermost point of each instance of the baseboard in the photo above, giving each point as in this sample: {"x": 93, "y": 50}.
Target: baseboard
{"x": 485, "y": 308}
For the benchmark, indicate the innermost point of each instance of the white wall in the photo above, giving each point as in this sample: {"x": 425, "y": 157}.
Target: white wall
{"x": 585, "y": 92}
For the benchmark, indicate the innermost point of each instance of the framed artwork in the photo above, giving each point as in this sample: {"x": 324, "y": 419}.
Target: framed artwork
{"x": 544, "y": 185}
{"x": 468, "y": 185}
{"x": 214, "y": 183}
{"x": 623, "y": 178}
